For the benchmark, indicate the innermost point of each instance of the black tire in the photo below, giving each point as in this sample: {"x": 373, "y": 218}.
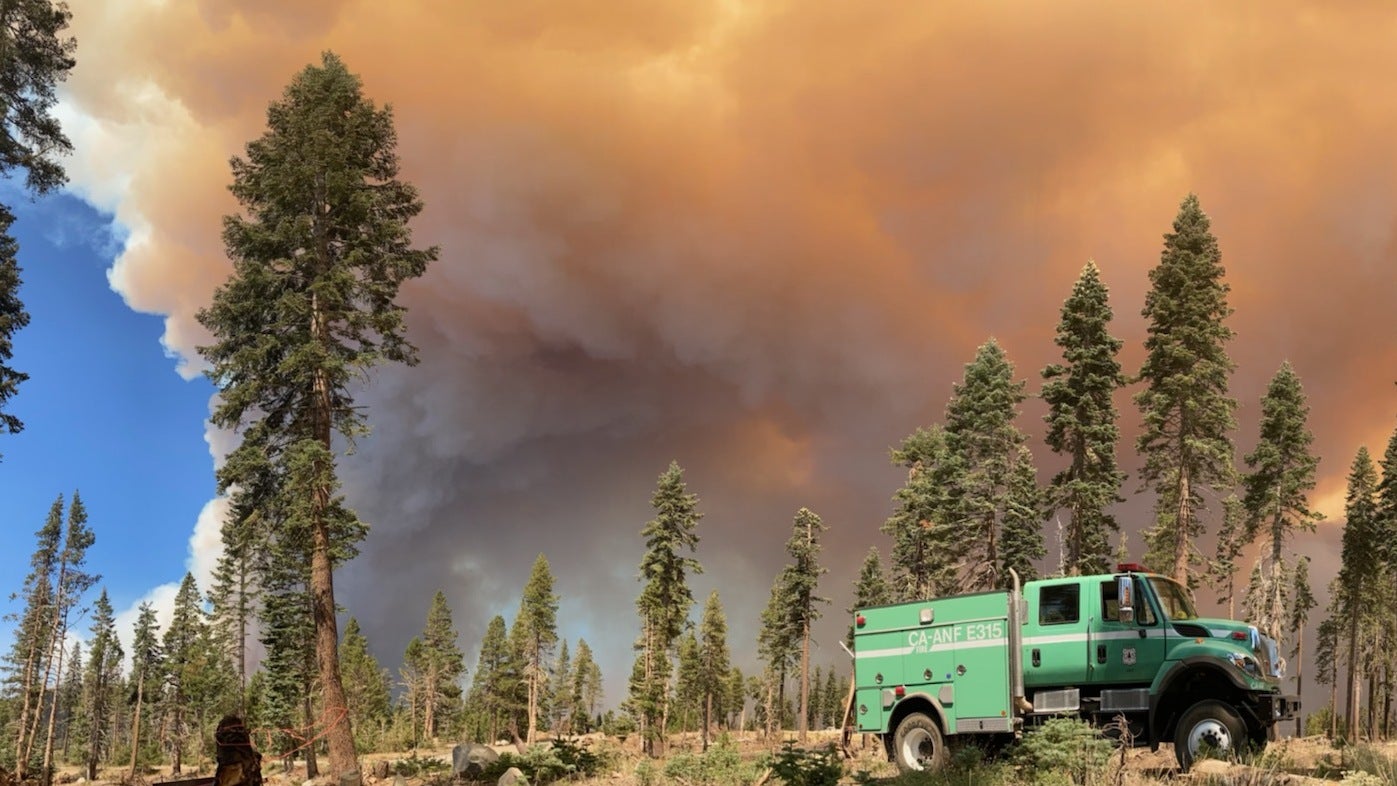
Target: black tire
{"x": 918, "y": 745}
{"x": 1209, "y": 724}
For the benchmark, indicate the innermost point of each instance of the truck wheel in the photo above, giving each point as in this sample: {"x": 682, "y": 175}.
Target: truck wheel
{"x": 918, "y": 744}
{"x": 1208, "y": 727}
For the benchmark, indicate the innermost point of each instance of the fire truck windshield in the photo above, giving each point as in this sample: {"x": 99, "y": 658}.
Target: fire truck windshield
{"x": 1173, "y": 598}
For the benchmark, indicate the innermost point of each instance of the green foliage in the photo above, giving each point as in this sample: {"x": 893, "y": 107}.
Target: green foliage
{"x": 366, "y": 687}
{"x": 665, "y": 597}
{"x": 1066, "y": 746}
{"x": 1380, "y": 767}
{"x": 416, "y": 766}
{"x": 1082, "y": 424}
{"x": 1187, "y": 413}
{"x": 535, "y": 636}
{"x": 586, "y": 689}
{"x": 870, "y": 588}
{"x": 562, "y": 758}
{"x": 13, "y": 317}
{"x": 990, "y": 449}
{"x": 923, "y": 559}
{"x": 802, "y": 767}
{"x": 720, "y": 765}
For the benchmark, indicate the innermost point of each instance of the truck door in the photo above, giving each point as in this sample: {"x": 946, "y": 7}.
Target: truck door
{"x": 1055, "y": 638}
{"x": 1130, "y": 652}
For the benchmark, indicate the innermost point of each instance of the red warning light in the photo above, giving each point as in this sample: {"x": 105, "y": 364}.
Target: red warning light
{"x": 1130, "y": 567}
{"x": 899, "y": 691}
{"x": 859, "y": 620}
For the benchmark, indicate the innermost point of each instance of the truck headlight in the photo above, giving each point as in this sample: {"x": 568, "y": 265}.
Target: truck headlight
{"x": 1246, "y": 663}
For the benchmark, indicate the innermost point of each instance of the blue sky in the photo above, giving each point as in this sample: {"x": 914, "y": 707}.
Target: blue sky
{"x": 104, "y": 412}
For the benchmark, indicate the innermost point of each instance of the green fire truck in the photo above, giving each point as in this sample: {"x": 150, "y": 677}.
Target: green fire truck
{"x": 1127, "y": 645}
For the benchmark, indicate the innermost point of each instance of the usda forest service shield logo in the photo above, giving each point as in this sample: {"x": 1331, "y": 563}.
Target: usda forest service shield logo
{"x": 1128, "y": 656}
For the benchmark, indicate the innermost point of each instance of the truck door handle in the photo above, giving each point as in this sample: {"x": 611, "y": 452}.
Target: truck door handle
{"x": 1037, "y": 657}
{"x": 1101, "y": 653}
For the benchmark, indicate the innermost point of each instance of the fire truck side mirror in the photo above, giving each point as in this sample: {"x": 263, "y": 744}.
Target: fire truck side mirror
{"x": 1125, "y": 596}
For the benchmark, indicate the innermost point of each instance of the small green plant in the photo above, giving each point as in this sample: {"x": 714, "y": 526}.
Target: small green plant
{"x": 415, "y": 765}
{"x": 646, "y": 774}
{"x": 720, "y": 765}
{"x": 1063, "y": 750}
{"x": 801, "y": 767}
{"x": 1370, "y": 761}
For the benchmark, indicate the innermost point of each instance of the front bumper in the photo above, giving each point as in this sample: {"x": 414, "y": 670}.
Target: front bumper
{"x": 1278, "y": 706}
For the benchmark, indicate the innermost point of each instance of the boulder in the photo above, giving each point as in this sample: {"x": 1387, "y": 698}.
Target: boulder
{"x": 513, "y": 777}
{"x": 469, "y": 760}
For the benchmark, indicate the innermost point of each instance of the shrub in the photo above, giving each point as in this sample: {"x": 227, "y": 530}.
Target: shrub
{"x": 801, "y": 767}
{"x": 720, "y": 765}
{"x": 1063, "y": 750}
{"x": 561, "y": 758}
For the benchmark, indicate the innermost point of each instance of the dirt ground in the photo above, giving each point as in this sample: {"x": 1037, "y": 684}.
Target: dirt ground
{"x": 1285, "y": 762}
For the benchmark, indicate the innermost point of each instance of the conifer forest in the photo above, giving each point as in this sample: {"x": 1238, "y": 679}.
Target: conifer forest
{"x": 320, "y": 242}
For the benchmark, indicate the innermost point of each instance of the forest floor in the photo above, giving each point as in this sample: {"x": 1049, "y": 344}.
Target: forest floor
{"x": 1289, "y": 762}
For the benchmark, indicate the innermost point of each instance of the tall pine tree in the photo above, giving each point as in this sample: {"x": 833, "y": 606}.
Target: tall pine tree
{"x": 924, "y": 552}
{"x": 101, "y": 683}
{"x": 29, "y": 658}
{"x": 1082, "y": 424}
{"x": 180, "y": 650}
{"x": 1187, "y": 413}
{"x": 715, "y": 661}
{"x": 870, "y": 589}
{"x": 1302, "y": 602}
{"x": 13, "y": 318}
{"x": 488, "y": 702}
{"x": 311, "y": 307}
{"x": 1283, "y": 473}
{"x": 444, "y": 665}
{"x": 586, "y": 689}
{"x": 147, "y": 663}
{"x": 802, "y": 578}
{"x": 1359, "y": 569}
{"x": 538, "y": 621}
{"x": 36, "y": 57}
{"x": 980, "y": 432}
{"x": 367, "y": 686}
{"x": 71, "y": 583}
{"x": 665, "y": 600}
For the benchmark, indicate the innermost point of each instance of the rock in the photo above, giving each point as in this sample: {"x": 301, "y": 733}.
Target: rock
{"x": 351, "y": 778}
{"x": 513, "y": 777}
{"x": 308, "y": 782}
{"x": 399, "y": 780}
{"x": 469, "y": 760}
{"x": 1207, "y": 768}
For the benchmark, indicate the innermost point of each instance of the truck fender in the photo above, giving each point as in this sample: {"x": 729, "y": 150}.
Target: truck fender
{"x": 1170, "y": 677}
{"x": 920, "y": 701}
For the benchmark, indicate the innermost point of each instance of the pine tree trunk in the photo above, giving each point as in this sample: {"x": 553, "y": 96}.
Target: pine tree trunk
{"x": 31, "y": 673}
{"x": 308, "y": 708}
{"x": 804, "y": 720}
{"x": 1351, "y": 712}
{"x": 242, "y": 639}
{"x": 1181, "y": 526}
{"x": 55, "y": 641}
{"x": 533, "y": 705}
{"x": 340, "y": 733}
{"x": 429, "y": 705}
{"x": 176, "y": 729}
{"x": 53, "y": 718}
{"x": 1299, "y": 673}
{"x": 707, "y": 717}
{"x": 136, "y": 721}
